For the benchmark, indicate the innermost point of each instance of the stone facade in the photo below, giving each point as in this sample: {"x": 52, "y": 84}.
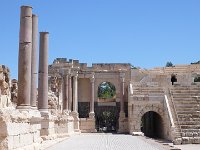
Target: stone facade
{"x": 160, "y": 102}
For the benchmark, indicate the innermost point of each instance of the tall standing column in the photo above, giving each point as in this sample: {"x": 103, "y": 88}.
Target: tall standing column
{"x": 24, "y": 60}
{"x": 122, "y": 118}
{"x": 70, "y": 92}
{"x": 75, "y": 93}
{"x": 75, "y": 103}
{"x": 65, "y": 93}
{"x": 91, "y": 115}
{"x": 43, "y": 73}
{"x": 122, "y": 80}
{"x": 34, "y": 61}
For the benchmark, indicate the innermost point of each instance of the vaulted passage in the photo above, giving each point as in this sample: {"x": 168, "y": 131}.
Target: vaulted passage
{"x": 151, "y": 125}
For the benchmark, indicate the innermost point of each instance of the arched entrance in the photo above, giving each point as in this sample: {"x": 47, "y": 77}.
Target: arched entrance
{"x": 151, "y": 125}
{"x": 106, "y": 111}
{"x": 173, "y": 78}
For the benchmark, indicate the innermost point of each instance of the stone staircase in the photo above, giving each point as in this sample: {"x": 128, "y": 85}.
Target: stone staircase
{"x": 148, "y": 91}
{"x": 186, "y": 102}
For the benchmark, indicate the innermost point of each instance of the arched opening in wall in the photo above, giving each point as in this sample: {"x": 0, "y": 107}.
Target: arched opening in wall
{"x": 106, "y": 108}
{"x": 152, "y": 125}
{"x": 173, "y": 78}
{"x": 106, "y": 91}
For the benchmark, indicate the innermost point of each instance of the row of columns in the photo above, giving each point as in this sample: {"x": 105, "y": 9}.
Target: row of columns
{"x": 70, "y": 96}
{"x": 27, "y": 70}
{"x": 67, "y": 93}
{"x": 27, "y": 63}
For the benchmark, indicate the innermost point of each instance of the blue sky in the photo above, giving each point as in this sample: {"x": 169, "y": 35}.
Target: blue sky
{"x": 145, "y": 33}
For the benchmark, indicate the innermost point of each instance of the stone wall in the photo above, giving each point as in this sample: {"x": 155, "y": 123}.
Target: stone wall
{"x": 20, "y": 129}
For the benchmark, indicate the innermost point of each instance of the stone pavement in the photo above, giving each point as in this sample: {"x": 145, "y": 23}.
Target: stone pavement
{"x": 103, "y": 141}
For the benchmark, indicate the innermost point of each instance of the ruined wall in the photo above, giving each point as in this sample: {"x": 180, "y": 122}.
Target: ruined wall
{"x": 5, "y": 87}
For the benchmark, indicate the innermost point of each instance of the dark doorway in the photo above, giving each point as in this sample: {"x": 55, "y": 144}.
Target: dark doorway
{"x": 106, "y": 118}
{"x": 151, "y": 125}
{"x": 106, "y": 109}
{"x": 173, "y": 79}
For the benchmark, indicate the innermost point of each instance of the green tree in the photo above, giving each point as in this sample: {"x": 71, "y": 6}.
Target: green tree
{"x": 106, "y": 90}
{"x": 169, "y": 64}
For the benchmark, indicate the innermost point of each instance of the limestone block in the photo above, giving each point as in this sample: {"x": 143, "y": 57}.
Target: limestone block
{"x": 6, "y": 143}
{"x": 189, "y": 134}
{"x": 26, "y": 139}
{"x": 186, "y": 140}
{"x": 36, "y": 137}
{"x": 196, "y": 140}
{"x": 16, "y": 141}
{"x": 22, "y": 128}
{"x": 3, "y": 129}
{"x": 137, "y": 134}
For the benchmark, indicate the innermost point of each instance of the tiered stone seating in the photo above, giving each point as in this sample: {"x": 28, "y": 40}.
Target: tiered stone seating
{"x": 148, "y": 91}
{"x": 187, "y": 106}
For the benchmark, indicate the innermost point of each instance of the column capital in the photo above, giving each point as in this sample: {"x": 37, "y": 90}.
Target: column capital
{"x": 122, "y": 74}
{"x": 92, "y": 78}
{"x": 75, "y": 74}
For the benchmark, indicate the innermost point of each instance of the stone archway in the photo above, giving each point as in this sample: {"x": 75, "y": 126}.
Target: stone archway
{"x": 150, "y": 108}
{"x": 106, "y": 110}
{"x": 152, "y": 125}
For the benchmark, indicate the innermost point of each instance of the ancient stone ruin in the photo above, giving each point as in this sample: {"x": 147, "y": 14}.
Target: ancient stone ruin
{"x": 72, "y": 98}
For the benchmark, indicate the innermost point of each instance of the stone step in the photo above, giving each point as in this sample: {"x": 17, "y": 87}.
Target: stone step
{"x": 188, "y": 112}
{"x": 197, "y": 126}
{"x": 186, "y": 88}
{"x": 189, "y": 101}
{"x": 190, "y": 134}
{"x": 185, "y": 98}
{"x": 189, "y": 119}
{"x": 178, "y": 109}
{"x": 141, "y": 91}
{"x": 189, "y": 122}
{"x": 190, "y": 130}
{"x": 197, "y": 115}
{"x": 192, "y": 95}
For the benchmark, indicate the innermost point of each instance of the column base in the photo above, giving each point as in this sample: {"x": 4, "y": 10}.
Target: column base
{"x": 123, "y": 123}
{"x": 24, "y": 107}
{"x": 91, "y": 115}
{"x": 44, "y": 110}
{"x": 122, "y": 115}
{"x": 75, "y": 115}
{"x": 47, "y": 131}
{"x": 34, "y": 107}
{"x": 66, "y": 112}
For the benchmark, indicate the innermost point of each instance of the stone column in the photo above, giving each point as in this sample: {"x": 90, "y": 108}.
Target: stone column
{"x": 123, "y": 122}
{"x": 24, "y": 60}
{"x": 60, "y": 94}
{"x": 75, "y": 93}
{"x": 91, "y": 115}
{"x": 34, "y": 61}
{"x": 66, "y": 94}
{"x": 70, "y": 92}
{"x": 75, "y": 103}
{"x": 122, "y": 80}
{"x": 43, "y": 73}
